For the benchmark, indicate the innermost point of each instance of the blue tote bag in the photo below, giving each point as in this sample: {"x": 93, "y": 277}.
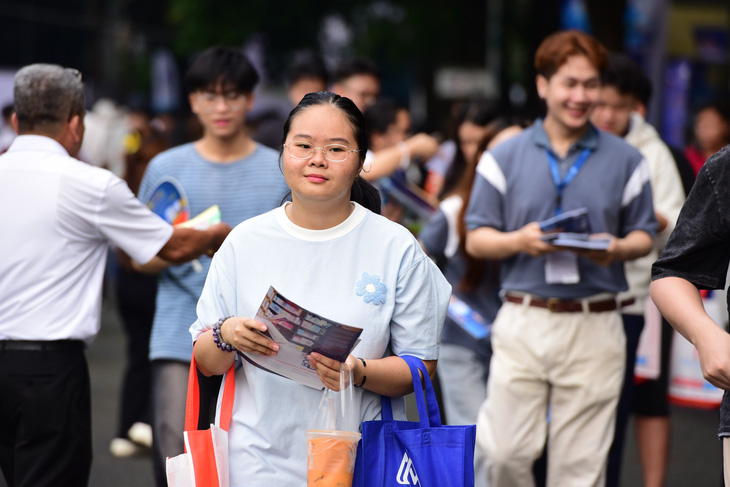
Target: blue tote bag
{"x": 424, "y": 453}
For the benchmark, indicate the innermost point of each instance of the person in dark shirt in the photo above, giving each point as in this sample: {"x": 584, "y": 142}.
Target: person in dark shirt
{"x": 696, "y": 257}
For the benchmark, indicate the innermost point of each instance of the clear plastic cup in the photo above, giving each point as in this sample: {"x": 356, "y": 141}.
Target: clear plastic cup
{"x": 331, "y": 458}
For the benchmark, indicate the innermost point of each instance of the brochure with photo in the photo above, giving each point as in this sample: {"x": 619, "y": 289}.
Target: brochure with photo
{"x": 468, "y": 319}
{"x": 299, "y": 332}
{"x": 169, "y": 201}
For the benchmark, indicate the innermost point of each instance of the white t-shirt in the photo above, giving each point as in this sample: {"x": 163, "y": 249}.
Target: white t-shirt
{"x": 321, "y": 271}
{"x": 57, "y": 217}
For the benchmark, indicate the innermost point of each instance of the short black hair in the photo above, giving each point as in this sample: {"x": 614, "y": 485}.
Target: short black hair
{"x": 305, "y": 64}
{"x": 626, "y": 76}
{"x": 220, "y": 65}
{"x": 354, "y": 67}
{"x": 381, "y": 115}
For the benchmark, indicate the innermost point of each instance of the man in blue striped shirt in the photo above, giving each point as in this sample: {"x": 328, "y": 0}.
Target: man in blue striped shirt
{"x": 225, "y": 168}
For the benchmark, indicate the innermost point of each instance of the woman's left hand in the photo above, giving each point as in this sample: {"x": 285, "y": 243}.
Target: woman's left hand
{"x": 327, "y": 369}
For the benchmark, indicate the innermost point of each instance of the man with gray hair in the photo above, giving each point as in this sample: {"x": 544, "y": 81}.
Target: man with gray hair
{"x": 58, "y": 215}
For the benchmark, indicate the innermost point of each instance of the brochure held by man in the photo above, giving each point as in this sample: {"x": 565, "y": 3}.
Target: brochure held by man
{"x": 572, "y": 230}
{"x": 299, "y": 332}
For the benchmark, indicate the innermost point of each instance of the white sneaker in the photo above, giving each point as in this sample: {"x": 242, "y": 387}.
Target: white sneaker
{"x": 123, "y": 448}
{"x": 141, "y": 433}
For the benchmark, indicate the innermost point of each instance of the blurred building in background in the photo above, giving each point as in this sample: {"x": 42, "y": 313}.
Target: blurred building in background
{"x": 432, "y": 55}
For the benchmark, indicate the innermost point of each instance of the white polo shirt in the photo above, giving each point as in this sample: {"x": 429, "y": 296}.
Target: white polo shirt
{"x": 57, "y": 218}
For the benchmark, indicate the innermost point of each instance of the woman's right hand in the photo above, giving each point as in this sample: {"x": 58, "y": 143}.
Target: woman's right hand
{"x": 245, "y": 335}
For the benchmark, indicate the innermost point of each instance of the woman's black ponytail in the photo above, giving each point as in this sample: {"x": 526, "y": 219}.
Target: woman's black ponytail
{"x": 365, "y": 194}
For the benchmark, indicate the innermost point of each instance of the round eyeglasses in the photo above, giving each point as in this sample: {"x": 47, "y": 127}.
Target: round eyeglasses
{"x": 208, "y": 100}
{"x": 331, "y": 152}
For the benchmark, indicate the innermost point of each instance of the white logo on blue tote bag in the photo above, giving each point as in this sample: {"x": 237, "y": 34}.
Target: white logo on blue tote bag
{"x": 407, "y": 469}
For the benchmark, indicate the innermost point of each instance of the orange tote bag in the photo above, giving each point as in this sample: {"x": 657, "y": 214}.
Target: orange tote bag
{"x": 205, "y": 461}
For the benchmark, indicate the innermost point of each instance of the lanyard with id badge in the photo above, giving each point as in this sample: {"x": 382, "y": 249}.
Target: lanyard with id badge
{"x": 562, "y": 267}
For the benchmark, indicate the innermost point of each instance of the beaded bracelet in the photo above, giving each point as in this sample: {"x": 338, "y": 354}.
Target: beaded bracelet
{"x": 218, "y": 337}
{"x": 364, "y": 377}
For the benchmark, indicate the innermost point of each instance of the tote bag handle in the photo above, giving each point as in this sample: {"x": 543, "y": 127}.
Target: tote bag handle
{"x": 428, "y": 410}
{"x": 192, "y": 405}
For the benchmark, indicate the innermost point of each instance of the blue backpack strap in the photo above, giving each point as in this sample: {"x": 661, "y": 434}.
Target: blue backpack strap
{"x": 428, "y": 409}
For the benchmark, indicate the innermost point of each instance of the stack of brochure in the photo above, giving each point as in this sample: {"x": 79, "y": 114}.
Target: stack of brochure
{"x": 572, "y": 229}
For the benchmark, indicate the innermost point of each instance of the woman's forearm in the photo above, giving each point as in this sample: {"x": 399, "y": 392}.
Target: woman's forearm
{"x": 211, "y": 360}
{"x": 389, "y": 376}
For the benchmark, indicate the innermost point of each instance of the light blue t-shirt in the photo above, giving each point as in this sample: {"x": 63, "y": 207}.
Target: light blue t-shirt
{"x": 241, "y": 189}
{"x": 320, "y": 271}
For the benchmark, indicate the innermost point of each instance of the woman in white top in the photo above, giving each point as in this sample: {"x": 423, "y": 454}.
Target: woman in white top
{"x": 329, "y": 252}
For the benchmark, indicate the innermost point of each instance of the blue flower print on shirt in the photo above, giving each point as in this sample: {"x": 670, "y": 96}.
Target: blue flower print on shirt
{"x": 371, "y": 289}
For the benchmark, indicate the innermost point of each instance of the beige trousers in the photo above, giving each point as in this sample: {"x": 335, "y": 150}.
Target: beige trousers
{"x": 556, "y": 376}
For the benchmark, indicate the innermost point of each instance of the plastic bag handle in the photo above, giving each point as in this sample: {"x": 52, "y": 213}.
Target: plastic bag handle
{"x": 428, "y": 410}
{"x": 192, "y": 402}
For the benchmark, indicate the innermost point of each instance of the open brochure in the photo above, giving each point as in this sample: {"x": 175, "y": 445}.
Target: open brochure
{"x": 299, "y": 332}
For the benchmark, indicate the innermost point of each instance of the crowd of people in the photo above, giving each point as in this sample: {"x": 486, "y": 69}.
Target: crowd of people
{"x": 338, "y": 196}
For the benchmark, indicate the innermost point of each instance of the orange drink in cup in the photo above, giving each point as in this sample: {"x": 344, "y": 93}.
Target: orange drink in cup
{"x": 331, "y": 458}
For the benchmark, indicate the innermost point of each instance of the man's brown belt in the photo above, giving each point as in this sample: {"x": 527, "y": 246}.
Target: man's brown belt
{"x": 570, "y": 305}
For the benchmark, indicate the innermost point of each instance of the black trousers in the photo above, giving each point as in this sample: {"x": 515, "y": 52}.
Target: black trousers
{"x": 45, "y": 416}
{"x": 633, "y": 326}
{"x": 136, "y": 302}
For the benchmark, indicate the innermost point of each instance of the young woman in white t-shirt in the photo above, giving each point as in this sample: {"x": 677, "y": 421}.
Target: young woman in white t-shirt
{"x": 330, "y": 252}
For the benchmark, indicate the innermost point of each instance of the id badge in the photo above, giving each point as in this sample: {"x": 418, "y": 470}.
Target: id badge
{"x": 561, "y": 268}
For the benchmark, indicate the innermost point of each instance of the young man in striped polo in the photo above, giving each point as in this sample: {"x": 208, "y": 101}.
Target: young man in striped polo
{"x": 225, "y": 167}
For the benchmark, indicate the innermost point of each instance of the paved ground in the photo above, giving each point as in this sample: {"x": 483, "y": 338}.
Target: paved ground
{"x": 695, "y": 455}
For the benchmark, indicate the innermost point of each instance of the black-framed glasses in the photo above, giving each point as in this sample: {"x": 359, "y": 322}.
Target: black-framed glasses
{"x": 331, "y": 152}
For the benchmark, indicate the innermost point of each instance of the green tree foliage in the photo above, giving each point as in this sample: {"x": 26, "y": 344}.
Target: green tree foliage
{"x": 395, "y": 31}
{"x": 200, "y": 24}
